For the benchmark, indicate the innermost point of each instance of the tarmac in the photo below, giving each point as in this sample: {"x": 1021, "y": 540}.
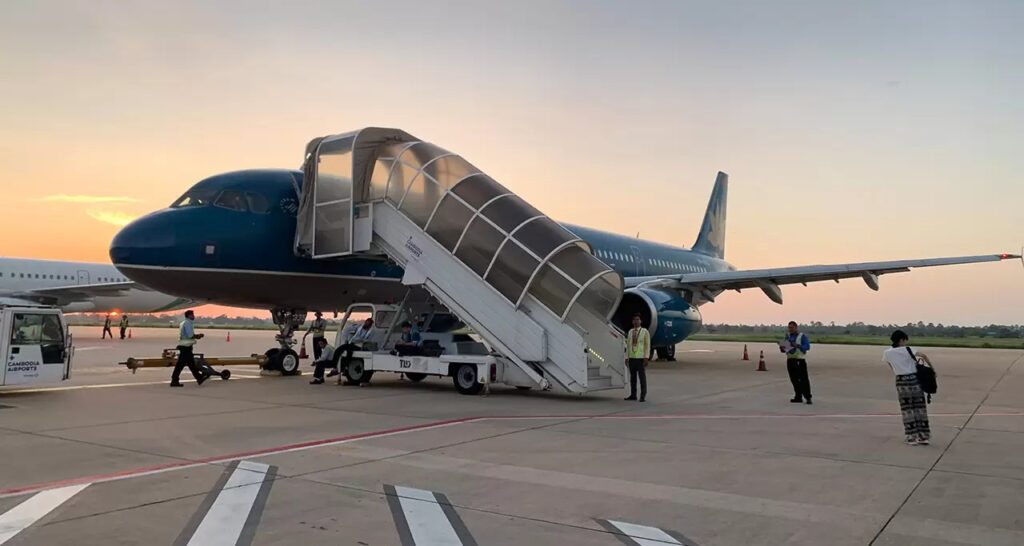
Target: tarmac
{"x": 716, "y": 456}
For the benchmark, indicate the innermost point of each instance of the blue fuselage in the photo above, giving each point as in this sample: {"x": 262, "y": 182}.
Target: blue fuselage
{"x": 232, "y": 241}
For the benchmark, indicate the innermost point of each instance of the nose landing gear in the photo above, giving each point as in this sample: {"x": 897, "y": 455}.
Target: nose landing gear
{"x": 283, "y": 358}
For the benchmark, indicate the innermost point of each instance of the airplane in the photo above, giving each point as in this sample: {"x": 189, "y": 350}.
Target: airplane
{"x": 79, "y": 287}
{"x": 231, "y": 240}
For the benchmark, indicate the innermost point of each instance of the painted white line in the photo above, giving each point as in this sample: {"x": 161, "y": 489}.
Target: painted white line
{"x": 644, "y": 535}
{"x": 113, "y": 385}
{"x": 428, "y": 523}
{"x": 223, "y": 523}
{"x": 17, "y": 519}
{"x": 77, "y": 349}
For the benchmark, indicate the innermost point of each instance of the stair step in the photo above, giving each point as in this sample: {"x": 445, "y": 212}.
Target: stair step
{"x": 599, "y": 383}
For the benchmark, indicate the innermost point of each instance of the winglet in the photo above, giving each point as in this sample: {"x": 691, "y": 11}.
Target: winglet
{"x": 711, "y": 239}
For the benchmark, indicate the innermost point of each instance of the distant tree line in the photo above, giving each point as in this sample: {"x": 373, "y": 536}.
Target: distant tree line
{"x": 919, "y": 329}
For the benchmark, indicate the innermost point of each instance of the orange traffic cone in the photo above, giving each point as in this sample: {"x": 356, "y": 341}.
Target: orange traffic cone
{"x": 760, "y": 364}
{"x": 302, "y": 352}
{"x": 129, "y": 333}
{"x": 745, "y": 355}
{"x": 229, "y": 337}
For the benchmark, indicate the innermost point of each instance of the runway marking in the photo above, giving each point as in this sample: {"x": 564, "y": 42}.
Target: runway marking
{"x": 425, "y": 518}
{"x": 633, "y": 534}
{"x": 236, "y": 508}
{"x": 113, "y": 385}
{"x": 302, "y": 446}
{"x": 22, "y": 516}
{"x": 182, "y": 465}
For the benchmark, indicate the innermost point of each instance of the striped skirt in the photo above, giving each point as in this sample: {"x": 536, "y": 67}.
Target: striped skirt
{"x": 913, "y": 407}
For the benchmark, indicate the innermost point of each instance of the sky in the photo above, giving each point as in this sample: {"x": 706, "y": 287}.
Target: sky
{"x": 854, "y": 131}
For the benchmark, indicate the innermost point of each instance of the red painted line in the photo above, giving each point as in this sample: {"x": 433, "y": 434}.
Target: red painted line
{"x": 180, "y": 465}
{"x": 155, "y": 469}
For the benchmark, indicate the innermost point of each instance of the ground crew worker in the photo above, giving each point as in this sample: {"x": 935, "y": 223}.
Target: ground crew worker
{"x": 318, "y": 328}
{"x": 409, "y": 342}
{"x": 638, "y": 351}
{"x": 187, "y": 337}
{"x": 324, "y": 361}
{"x": 360, "y": 336}
{"x": 106, "y": 329}
{"x": 796, "y": 346}
{"x": 124, "y": 325}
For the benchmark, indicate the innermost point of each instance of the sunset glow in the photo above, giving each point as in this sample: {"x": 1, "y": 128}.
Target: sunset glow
{"x": 845, "y": 138}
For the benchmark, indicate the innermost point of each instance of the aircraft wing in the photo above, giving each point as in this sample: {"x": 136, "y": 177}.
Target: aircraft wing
{"x": 705, "y": 286}
{"x": 63, "y": 295}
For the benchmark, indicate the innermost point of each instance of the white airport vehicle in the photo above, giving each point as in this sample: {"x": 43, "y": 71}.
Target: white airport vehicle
{"x": 36, "y": 345}
{"x": 472, "y": 366}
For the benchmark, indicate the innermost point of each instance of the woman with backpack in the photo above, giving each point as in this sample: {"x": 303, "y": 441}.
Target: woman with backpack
{"x": 903, "y": 361}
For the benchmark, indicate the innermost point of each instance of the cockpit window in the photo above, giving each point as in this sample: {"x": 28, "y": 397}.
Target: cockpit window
{"x": 231, "y": 199}
{"x": 257, "y": 203}
{"x": 195, "y": 198}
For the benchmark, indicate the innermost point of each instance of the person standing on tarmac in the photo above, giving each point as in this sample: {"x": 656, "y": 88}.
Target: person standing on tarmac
{"x": 124, "y": 325}
{"x": 796, "y": 346}
{"x": 638, "y": 350}
{"x": 187, "y": 337}
{"x": 318, "y": 328}
{"x": 106, "y": 329}
{"x": 903, "y": 361}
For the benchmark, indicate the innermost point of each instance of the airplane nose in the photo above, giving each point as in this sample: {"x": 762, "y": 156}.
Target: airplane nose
{"x": 143, "y": 241}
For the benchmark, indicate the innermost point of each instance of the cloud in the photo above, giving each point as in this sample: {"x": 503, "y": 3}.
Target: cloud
{"x": 115, "y": 217}
{"x": 63, "y": 198}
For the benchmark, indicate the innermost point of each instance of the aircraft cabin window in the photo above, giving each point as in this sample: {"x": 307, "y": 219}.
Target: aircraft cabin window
{"x": 195, "y": 198}
{"x": 257, "y": 203}
{"x": 231, "y": 199}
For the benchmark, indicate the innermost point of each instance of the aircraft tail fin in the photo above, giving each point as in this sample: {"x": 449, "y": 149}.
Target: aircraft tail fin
{"x": 711, "y": 239}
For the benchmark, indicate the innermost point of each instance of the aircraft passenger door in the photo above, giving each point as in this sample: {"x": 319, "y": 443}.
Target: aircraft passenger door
{"x": 638, "y": 259}
{"x": 83, "y": 276}
{"x": 332, "y": 198}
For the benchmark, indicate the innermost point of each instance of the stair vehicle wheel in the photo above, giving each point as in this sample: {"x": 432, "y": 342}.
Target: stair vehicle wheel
{"x": 466, "y": 380}
{"x": 288, "y": 362}
{"x": 356, "y": 372}
{"x": 225, "y": 374}
{"x": 416, "y": 377}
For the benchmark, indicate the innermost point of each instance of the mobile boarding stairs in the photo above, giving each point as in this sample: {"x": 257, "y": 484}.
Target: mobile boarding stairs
{"x": 528, "y": 287}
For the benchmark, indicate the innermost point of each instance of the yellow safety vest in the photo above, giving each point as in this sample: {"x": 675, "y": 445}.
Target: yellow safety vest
{"x": 318, "y": 327}
{"x": 638, "y": 343}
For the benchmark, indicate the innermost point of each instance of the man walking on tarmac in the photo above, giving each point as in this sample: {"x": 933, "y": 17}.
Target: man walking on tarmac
{"x": 638, "y": 350}
{"x": 124, "y": 325}
{"x": 187, "y": 337}
{"x": 796, "y": 346}
{"x": 318, "y": 328}
{"x": 106, "y": 329}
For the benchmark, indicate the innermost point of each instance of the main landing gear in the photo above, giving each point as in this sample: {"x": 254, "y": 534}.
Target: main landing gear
{"x": 283, "y": 358}
{"x": 666, "y": 353}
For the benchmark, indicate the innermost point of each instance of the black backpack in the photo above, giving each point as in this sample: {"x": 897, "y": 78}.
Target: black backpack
{"x": 925, "y": 377}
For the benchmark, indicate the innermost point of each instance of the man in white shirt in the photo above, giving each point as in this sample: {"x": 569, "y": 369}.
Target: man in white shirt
{"x": 324, "y": 361}
{"x": 903, "y": 361}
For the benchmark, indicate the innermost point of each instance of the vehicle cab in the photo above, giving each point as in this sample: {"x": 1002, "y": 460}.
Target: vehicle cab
{"x": 36, "y": 346}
